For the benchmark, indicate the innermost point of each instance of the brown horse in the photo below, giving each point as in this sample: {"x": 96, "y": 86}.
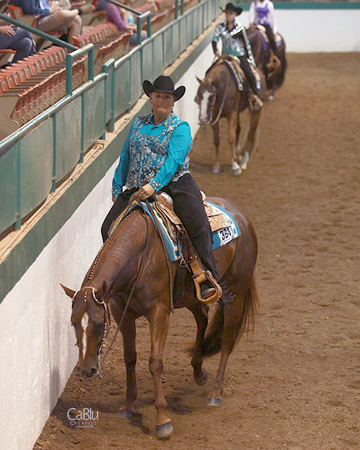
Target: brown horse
{"x": 219, "y": 97}
{"x": 275, "y": 76}
{"x": 130, "y": 276}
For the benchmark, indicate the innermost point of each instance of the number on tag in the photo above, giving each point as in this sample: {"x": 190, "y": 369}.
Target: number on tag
{"x": 226, "y": 235}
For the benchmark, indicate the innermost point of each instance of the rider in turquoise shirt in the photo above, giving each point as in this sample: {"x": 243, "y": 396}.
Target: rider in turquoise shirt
{"x": 158, "y": 154}
{"x": 155, "y": 157}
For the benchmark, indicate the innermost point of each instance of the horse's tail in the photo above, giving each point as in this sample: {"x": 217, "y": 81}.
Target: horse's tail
{"x": 212, "y": 341}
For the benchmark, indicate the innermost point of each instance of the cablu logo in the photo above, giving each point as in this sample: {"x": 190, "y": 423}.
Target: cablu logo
{"x": 82, "y": 418}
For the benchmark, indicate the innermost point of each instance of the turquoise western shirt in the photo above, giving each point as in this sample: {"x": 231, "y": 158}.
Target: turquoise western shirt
{"x": 155, "y": 154}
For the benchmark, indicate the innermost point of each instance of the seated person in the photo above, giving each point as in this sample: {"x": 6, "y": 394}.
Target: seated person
{"x": 52, "y": 17}
{"x": 123, "y": 19}
{"x": 16, "y": 39}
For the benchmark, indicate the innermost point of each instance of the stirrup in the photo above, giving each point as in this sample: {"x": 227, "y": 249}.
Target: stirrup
{"x": 201, "y": 278}
{"x": 274, "y": 61}
{"x": 256, "y": 103}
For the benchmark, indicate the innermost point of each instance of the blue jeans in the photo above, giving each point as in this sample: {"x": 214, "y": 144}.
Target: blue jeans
{"x": 22, "y": 42}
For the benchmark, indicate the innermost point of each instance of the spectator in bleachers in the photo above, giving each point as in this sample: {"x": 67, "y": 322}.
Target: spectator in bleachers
{"x": 123, "y": 19}
{"x": 53, "y": 17}
{"x": 16, "y": 39}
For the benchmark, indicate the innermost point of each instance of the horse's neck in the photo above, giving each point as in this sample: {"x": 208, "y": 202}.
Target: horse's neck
{"x": 217, "y": 77}
{"x": 118, "y": 258}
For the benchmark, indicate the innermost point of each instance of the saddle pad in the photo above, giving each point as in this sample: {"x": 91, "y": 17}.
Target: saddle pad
{"x": 236, "y": 73}
{"x": 223, "y": 225}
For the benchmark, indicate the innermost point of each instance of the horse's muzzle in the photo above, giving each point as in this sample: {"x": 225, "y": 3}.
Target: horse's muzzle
{"x": 89, "y": 373}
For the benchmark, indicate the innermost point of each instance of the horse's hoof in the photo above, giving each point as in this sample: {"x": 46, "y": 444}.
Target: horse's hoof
{"x": 237, "y": 172}
{"x": 213, "y": 401}
{"x": 243, "y": 166}
{"x": 201, "y": 381}
{"x": 164, "y": 431}
{"x": 126, "y": 413}
{"x": 270, "y": 98}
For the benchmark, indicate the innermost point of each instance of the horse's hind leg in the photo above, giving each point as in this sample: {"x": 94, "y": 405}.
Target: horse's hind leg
{"x": 159, "y": 324}
{"x": 200, "y": 312}
{"x": 251, "y": 139}
{"x": 233, "y": 314}
{"x": 233, "y": 138}
{"x": 216, "y": 134}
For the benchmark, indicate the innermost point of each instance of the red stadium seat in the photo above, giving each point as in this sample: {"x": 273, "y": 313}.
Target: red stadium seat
{"x": 29, "y": 87}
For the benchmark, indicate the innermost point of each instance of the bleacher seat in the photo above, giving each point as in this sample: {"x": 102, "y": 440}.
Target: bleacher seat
{"x": 16, "y": 13}
{"x": 108, "y": 43}
{"x": 3, "y": 5}
{"x": 29, "y": 87}
{"x": 5, "y": 56}
{"x": 147, "y": 7}
{"x": 158, "y": 21}
{"x": 163, "y": 5}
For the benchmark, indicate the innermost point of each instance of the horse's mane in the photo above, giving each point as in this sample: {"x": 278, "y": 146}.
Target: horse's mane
{"x": 119, "y": 226}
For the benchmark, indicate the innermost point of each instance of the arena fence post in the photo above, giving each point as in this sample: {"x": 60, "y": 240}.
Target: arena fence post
{"x": 17, "y": 224}
{"x": 53, "y": 178}
{"x": 109, "y": 92}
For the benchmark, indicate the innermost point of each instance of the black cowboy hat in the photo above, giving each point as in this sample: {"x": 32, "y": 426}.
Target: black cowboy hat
{"x": 163, "y": 84}
{"x": 230, "y": 7}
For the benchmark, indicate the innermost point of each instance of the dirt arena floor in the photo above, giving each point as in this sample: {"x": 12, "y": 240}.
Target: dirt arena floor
{"x": 294, "y": 384}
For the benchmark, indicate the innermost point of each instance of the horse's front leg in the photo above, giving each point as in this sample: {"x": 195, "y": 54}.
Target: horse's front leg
{"x": 233, "y": 138}
{"x": 200, "y": 312}
{"x": 159, "y": 324}
{"x": 128, "y": 331}
{"x": 216, "y": 166}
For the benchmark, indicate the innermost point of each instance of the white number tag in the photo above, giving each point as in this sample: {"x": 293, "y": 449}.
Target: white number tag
{"x": 226, "y": 235}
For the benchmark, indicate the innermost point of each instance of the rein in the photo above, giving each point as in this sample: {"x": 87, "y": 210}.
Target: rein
{"x": 131, "y": 293}
{"x": 106, "y": 306}
{"x": 222, "y": 103}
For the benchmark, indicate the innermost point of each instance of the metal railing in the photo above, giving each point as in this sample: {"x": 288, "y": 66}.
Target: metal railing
{"x": 35, "y": 158}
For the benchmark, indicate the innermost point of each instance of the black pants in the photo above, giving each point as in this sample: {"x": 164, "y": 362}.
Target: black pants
{"x": 188, "y": 206}
{"x": 244, "y": 63}
{"x": 270, "y": 35}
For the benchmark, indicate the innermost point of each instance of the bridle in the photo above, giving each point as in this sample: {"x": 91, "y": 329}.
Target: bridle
{"x": 222, "y": 102}
{"x": 106, "y": 306}
{"x": 107, "y": 319}
{"x": 214, "y": 122}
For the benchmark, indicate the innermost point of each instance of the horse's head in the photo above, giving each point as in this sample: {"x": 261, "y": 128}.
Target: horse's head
{"x": 205, "y": 98}
{"x": 91, "y": 320}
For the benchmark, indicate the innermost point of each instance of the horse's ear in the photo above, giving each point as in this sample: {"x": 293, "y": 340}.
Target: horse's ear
{"x": 68, "y": 291}
{"x": 200, "y": 81}
{"x": 99, "y": 294}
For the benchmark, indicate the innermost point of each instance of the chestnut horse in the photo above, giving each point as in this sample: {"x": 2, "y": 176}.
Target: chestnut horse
{"x": 275, "y": 76}
{"x": 131, "y": 277}
{"x": 217, "y": 97}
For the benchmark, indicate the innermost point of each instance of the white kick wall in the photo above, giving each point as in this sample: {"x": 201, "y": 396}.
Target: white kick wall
{"x": 37, "y": 351}
{"x": 322, "y": 30}
{"x": 37, "y": 343}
